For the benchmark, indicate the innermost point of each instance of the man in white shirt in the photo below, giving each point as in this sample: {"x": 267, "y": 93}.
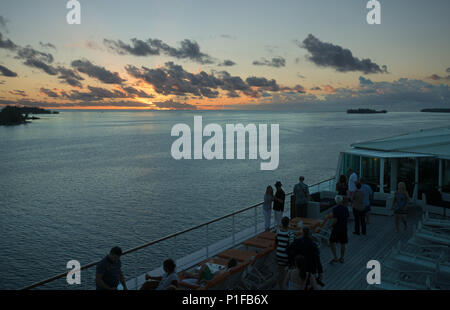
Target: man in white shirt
{"x": 352, "y": 182}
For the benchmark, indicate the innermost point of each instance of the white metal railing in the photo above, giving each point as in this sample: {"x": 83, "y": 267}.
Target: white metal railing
{"x": 207, "y": 249}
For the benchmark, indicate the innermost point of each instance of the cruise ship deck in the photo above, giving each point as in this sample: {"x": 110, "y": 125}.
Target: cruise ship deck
{"x": 377, "y": 245}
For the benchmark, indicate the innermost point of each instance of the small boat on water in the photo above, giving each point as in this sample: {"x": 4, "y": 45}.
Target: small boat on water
{"x": 365, "y": 111}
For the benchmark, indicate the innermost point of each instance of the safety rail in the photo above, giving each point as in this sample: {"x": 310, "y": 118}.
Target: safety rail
{"x": 320, "y": 186}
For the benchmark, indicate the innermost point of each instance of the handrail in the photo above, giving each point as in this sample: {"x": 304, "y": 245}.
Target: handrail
{"x": 61, "y": 275}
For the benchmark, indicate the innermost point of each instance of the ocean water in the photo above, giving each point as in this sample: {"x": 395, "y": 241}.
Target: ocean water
{"x": 75, "y": 184}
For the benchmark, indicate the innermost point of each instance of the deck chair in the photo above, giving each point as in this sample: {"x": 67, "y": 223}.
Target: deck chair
{"x": 217, "y": 283}
{"x": 421, "y": 262}
{"x": 434, "y": 222}
{"x": 432, "y": 236}
{"x": 235, "y": 277}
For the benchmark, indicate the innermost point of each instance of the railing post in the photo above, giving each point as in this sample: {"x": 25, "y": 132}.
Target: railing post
{"x": 135, "y": 271}
{"x": 256, "y": 220}
{"x": 207, "y": 240}
{"x": 234, "y": 237}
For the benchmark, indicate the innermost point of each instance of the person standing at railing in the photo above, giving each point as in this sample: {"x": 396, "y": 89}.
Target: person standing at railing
{"x": 301, "y": 194}
{"x": 278, "y": 204}
{"x": 342, "y": 186}
{"x": 267, "y": 207}
{"x": 353, "y": 178}
{"x": 109, "y": 271}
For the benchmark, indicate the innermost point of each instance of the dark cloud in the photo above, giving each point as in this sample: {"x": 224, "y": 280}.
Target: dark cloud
{"x": 136, "y": 92}
{"x": 36, "y": 63}
{"x": 297, "y": 89}
{"x": 18, "y": 93}
{"x": 94, "y": 93}
{"x": 263, "y": 83}
{"x": 227, "y": 63}
{"x": 28, "y": 53}
{"x": 69, "y": 76}
{"x": 6, "y": 72}
{"x": 276, "y": 62}
{"x": 400, "y": 95}
{"x": 47, "y": 45}
{"x": 188, "y": 49}
{"x": 100, "y": 73}
{"x": 364, "y": 81}
{"x": 174, "y": 80}
{"x": 33, "y": 58}
{"x": 232, "y": 83}
{"x": 49, "y": 92}
{"x": 329, "y": 55}
{"x": 7, "y": 43}
{"x": 315, "y": 88}
{"x": 137, "y": 47}
{"x": 170, "y": 104}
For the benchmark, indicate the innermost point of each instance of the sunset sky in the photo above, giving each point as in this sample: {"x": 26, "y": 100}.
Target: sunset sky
{"x": 246, "y": 54}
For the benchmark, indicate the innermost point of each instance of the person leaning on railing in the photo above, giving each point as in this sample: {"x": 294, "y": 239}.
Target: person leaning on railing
{"x": 109, "y": 271}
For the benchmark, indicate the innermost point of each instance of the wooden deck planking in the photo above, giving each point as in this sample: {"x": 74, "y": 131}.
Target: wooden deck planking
{"x": 377, "y": 244}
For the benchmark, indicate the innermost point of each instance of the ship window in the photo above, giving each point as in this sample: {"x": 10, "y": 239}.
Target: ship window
{"x": 406, "y": 173}
{"x": 350, "y": 161}
{"x": 428, "y": 175}
{"x": 446, "y": 176}
{"x": 371, "y": 171}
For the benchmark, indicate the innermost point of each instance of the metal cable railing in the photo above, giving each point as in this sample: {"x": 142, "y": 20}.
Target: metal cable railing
{"x": 327, "y": 184}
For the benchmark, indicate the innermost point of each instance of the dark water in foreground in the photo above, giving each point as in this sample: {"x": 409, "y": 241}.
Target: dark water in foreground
{"x": 74, "y": 184}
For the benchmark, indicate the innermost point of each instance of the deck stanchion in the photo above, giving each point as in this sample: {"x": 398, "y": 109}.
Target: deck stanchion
{"x": 207, "y": 241}
{"x": 135, "y": 271}
{"x": 234, "y": 237}
{"x": 256, "y": 220}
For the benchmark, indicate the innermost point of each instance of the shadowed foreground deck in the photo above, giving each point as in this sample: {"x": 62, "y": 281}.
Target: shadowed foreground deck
{"x": 377, "y": 244}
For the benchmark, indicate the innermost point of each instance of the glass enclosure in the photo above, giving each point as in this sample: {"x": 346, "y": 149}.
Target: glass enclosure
{"x": 350, "y": 161}
{"x": 371, "y": 172}
{"x": 428, "y": 175}
{"x": 406, "y": 173}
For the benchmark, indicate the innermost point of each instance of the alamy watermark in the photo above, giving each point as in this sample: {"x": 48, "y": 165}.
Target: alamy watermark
{"x": 373, "y": 17}
{"x": 213, "y": 147}
{"x": 74, "y": 14}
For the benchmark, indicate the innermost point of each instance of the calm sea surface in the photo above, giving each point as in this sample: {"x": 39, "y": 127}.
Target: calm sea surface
{"x": 75, "y": 184}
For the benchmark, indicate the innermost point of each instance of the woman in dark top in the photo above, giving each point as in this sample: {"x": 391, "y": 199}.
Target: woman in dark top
{"x": 342, "y": 186}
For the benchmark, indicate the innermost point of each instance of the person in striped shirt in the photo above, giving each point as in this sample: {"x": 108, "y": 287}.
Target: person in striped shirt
{"x": 283, "y": 239}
